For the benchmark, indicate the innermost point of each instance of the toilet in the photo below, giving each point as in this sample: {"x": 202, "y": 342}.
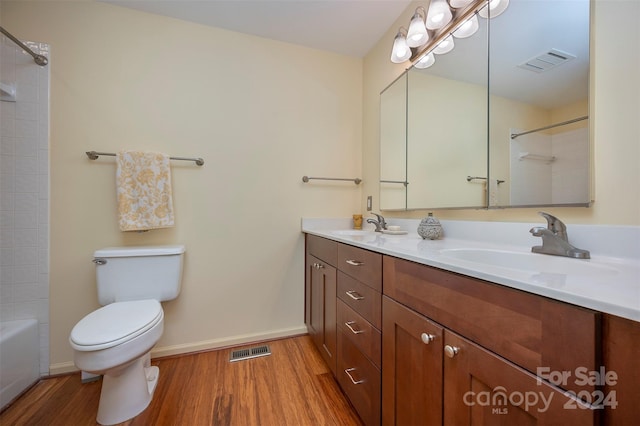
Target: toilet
{"x": 115, "y": 341}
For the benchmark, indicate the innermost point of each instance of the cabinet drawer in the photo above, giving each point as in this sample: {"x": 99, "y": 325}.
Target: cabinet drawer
{"x": 365, "y": 336}
{"x": 360, "y": 380}
{"x": 363, "y": 265}
{"x": 361, "y": 298}
{"x": 322, "y": 248}
{"x": 529, "y": 330}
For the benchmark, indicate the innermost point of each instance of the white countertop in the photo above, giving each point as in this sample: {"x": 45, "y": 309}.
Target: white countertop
{"x": 610, "y": 283}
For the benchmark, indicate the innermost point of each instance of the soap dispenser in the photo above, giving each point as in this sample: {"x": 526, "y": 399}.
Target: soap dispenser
{"x": 430, "y": 228}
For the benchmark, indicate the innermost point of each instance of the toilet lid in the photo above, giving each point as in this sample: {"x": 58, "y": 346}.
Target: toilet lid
{"x": 115, "y": 323}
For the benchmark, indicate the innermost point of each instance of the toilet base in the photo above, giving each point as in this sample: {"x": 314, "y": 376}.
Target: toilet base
{"x": 127, "y": 391}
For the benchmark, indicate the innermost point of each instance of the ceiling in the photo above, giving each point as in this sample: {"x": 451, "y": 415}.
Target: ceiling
{"x": 349, "y": 27}
{"x": 353, "y": 27}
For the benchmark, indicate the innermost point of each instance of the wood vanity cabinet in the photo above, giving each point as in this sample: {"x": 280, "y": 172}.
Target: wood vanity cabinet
{"x": 359, "y": 314}
{"x": 434, "y": 375}
{"x": 432, "y": 347}
{"x": 320, "y": 296}
{"x": 621, "y": 357}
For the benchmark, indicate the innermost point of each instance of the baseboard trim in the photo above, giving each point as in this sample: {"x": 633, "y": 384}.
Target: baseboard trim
{"x": 205, "y": 345}
{"x": 208, "y": 345}
{"x": 62, "y": 368}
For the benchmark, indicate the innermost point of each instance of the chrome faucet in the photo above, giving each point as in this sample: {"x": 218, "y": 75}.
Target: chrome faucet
{"x": 555, "y": 240}
{"x": 380, "y": 224}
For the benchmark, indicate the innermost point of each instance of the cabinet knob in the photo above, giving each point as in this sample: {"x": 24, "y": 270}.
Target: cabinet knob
{"x": 451, "y": 351}
{"x": 427, "y": 338}
{"x": 318, "y": 265}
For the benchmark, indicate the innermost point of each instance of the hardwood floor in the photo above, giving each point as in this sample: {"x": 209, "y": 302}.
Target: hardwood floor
{"x": 293, "y": 386}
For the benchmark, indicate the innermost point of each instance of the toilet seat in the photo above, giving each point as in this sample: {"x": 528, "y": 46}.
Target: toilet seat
{"x": 115, "y": 324}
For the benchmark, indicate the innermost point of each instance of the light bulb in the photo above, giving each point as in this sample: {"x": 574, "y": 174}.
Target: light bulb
{"x": 425, "y": 61}
{"x": 445, "y": 46}
{"x": 439, "y": 14}
{"x": 467, "y": 29}
{"x": 494, "y": 8}
{"x": 400, "y": 51}
{"x": 417, "y": 35}
{"x": 459, "y": 3}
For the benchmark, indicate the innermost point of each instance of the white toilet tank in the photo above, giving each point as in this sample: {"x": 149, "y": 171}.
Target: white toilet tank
{"x": 135, "y": 273}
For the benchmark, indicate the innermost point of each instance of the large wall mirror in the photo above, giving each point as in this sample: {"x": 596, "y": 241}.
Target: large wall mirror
{"x": 484, "y": 126}
{"x": 539, "y": 104}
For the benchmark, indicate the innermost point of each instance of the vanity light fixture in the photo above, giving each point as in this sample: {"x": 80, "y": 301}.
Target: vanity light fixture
{"x": 401, "y": 50}
{"x": 432, "y": 31}
{"x": 425, "y": 61}
{"x": 439, "y": 14}
{"x": 468, "y": 28}
{"x": 494, "y": 8}
{"x": 445, "y": 46}
{"x": 456, "y": 4}
{"x": 418, "y": 34}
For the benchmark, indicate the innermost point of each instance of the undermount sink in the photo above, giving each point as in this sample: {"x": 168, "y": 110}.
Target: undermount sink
{"x": 531, "y": 262}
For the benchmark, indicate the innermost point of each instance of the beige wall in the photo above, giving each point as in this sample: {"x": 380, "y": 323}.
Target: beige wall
{"x": 261, "y": 113}
{"x": 615, "y": 108}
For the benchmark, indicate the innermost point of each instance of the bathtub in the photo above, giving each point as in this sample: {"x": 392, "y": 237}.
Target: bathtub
{"x": 19, "y": 358}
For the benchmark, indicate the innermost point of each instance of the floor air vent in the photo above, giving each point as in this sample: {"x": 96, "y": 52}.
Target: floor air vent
{"x": 248, "y": 353}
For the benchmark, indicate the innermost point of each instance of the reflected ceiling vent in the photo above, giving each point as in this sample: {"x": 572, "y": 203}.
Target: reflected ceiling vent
{"x": 547, "y": 60}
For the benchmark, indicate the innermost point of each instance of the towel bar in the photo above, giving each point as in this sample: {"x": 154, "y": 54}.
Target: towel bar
{"x": 93, "y": 155}
{"x": 470, "y": 178}
{"x": 306, "y": 179}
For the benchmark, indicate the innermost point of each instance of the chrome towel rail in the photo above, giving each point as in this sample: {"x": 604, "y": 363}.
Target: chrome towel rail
{"x": 357, "y": 181}
{"x": 93, "y": 155}
{"x": 470, "y": 178}
{"x": 404, "y": 182}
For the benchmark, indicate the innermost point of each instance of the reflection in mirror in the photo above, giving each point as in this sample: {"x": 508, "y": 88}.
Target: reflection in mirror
{"x": 539, "y": 84}
{"x": 393, "y": 145}
{"x": 447, "y": 127}
{"x": 442, "y": 118}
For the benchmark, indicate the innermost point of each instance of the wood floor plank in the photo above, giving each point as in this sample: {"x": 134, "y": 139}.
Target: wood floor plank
{"x": 292, "y": 386}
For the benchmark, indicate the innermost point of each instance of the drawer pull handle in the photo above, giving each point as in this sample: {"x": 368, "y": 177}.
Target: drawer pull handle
{"x": 451, "y": 351}
{"x": 355, "y": 262}
{"x": 427, "y": 338}
{"x": 349, "y": 323}
{"x": 355, "y": 382}
{"x": 354, "y": 295}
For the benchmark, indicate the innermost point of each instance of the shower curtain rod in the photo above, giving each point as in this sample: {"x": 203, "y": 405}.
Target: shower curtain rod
{"x": 515, "y": 135}
{"x": 38, "y": 59}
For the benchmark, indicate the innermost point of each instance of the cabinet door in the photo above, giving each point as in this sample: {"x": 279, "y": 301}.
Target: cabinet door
{"x": 621, "y": 357}
{"x": 321, "y": 308}
{"x": 412, "y": 367}
{"x": 483, "y": 388}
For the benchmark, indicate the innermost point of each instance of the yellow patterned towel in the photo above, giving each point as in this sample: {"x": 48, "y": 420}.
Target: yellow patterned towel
{"x": 143, "y": 182}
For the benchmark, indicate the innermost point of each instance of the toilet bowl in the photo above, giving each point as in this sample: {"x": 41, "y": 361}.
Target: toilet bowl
{"x": 115, "y": 341}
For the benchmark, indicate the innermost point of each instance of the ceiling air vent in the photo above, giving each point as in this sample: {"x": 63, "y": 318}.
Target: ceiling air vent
{"x": 547, "y": 60}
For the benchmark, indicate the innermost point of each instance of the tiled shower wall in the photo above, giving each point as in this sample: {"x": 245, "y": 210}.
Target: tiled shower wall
{"x": 24, "y": 191}
{"x": 559, "y": 182}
